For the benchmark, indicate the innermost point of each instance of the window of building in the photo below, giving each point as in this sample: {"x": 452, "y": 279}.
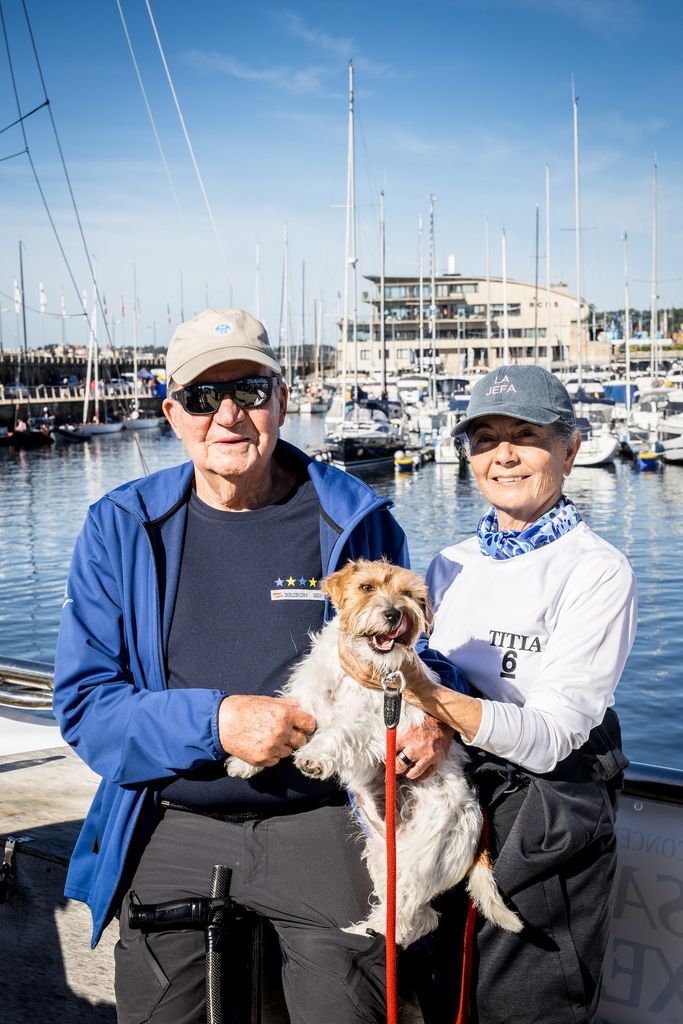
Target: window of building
{"x": 498, "y": 309}
{"x": 365, "y": 355}
{"x": 461, "y": 287}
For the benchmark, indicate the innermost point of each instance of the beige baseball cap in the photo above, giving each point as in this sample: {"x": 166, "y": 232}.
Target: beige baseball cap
{"x": 217, "y": 336}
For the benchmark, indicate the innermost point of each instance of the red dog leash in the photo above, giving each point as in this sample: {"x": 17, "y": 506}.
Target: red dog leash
{"x": 468, "y": 942}
{"x": 394, "y": 685}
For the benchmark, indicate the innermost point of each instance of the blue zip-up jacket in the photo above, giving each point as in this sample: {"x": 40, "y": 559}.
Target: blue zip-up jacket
{"x": 110, "y": 694}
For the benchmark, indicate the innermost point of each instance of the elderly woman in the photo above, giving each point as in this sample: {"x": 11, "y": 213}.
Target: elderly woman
{"x": 540, "y": 614}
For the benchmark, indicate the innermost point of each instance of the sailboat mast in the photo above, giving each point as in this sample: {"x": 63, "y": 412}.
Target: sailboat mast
{"x": 285, "y": 307}
{"x": 549, "y": 305}
{"x": 654, "y": 355}
{"x": 320, "y": 366}
{"x": 136, "y": 397}
{"x": 315, "y": 345}
{"x": 350, "y": 256}
{"x": 488, "y": 292}
{"x": 420, "y": 232}
{"x": 577, "y": 226}
{"x": 303, "y": 319}
{"x": 536, "y": 295}
{"x": 506, "y": 331}
{"x": 432, "y": 275}
{"x": 23, "y": 303}
{"x": 627, "y": 328}
{"x": 382, "y": 289}
{"x": 95, "y": 349}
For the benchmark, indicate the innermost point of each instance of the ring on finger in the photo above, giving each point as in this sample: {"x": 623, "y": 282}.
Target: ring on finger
{"x": 402, "y": 756}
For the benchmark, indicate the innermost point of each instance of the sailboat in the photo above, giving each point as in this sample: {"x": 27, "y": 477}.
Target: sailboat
{"x": 316, "y": 401}
{"x": 366, "y": 438}
{"x": 137, "y": 420}
{"x": 94, "y": 427}
{"x": 22, "y": 435}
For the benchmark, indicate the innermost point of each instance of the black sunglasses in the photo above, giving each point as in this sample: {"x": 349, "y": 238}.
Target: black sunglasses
{"x": 205, "y": 399}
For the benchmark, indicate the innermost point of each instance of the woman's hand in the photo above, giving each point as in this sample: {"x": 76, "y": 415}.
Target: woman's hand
{"x": 425, "y": 746}
{"x": 358, "y": 670}
{"x": 422, "y": 749}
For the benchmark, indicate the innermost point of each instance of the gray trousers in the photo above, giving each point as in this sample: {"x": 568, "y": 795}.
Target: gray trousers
{"x": 301, "y": 871}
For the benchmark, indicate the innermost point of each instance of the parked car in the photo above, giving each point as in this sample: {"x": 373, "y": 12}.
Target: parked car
{"x": 66, "y": 380}
{"x": 119, "y": 386}
{"x": 15, "y": 390}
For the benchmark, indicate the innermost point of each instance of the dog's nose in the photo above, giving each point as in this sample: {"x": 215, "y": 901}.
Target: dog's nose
{"x": 393, "y": 616}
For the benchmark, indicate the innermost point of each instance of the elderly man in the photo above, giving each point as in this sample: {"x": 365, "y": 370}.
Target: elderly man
{"x": 190, "y": 597}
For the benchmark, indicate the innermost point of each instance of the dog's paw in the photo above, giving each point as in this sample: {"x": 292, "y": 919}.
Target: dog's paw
{"x": 239, "y": 769}
{"x": 315, "y": 769}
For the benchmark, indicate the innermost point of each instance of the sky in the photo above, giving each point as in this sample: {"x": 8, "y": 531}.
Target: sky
{"x": 466, "y": 100}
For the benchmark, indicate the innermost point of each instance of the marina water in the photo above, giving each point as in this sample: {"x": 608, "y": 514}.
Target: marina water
{"x": 44, "y": 496}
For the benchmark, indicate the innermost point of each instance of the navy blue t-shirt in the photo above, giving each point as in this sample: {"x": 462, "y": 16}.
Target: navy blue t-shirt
{"x": 248, "y": 595}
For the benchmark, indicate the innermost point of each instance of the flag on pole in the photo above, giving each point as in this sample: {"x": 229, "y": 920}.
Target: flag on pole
{"x": 85, "y": 302}
{"x": 17, "y": 297}
{"x": 43, "y": 298}
{"x": 138, "y": 311}
{"x": 104, "y": 305}
{"x": 168, "y": 312}
{"x": 123, "y": 309}
{"x": 62, "y": 304}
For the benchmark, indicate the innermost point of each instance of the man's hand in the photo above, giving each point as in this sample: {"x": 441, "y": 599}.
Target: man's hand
{"x": 426, "y": 746}
{"x": 262, "y": 730}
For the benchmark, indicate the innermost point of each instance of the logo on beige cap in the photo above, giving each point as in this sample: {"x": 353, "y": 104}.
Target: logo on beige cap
{"x": 222, "y": 329}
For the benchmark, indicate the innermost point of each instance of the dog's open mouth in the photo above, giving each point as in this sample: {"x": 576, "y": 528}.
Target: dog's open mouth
{"x": 385, "y": 641}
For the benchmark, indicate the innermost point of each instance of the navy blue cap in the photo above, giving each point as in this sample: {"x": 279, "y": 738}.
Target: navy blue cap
{"x": 526, "y": 393}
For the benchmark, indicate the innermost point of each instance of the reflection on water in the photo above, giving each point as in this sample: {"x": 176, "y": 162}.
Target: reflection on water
{"x": 44, "y": 496}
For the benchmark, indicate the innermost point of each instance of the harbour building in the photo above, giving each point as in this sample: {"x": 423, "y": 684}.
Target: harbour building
{"x": 475, "y": 321}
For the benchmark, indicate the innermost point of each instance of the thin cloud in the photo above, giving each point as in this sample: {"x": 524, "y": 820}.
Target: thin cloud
{"x": 338, "y": 46}
{"x": 605, "y": 17}
{"x": 342, "y": 46}
{"x": 295, "y": 80}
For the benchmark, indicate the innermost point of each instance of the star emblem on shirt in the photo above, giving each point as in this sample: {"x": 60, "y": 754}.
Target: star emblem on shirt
{"x": 302, "y": 581}
{"x": 279, "y": 582}
{"x": 291, "y": 581}
{"x": 312, "y": 582}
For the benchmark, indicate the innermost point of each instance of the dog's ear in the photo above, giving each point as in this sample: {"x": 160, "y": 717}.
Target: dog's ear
{"x": 336, "y": 583}
{"x": 428, "y": 611}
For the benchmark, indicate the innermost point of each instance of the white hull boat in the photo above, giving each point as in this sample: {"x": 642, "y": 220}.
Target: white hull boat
{"x": 143, "y": 422}
{"x": 598, "y": 448}
{"x": 96, "y": 429}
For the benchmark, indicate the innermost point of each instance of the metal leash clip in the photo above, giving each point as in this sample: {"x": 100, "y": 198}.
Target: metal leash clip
{"x": 393, "y": 684}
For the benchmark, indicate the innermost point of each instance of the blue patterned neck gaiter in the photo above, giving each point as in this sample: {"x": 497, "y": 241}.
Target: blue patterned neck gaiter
{"x": 557, "y": 521}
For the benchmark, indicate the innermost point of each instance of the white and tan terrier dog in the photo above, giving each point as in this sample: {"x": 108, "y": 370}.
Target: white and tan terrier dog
{"x": 381, "y": 611}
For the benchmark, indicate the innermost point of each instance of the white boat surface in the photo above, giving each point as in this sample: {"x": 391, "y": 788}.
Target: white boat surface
{"x": 23, "y": 730}
{"x": 599, "y": 446}
{"x": 449, "y": 449}
{"x": 96, "y": 429}
{"x": 134, "y": 422}
{"x": 673, "y": 455}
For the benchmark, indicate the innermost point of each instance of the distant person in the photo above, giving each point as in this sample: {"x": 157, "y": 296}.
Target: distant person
{"x": 20, "y": 425}
{"x": 540, "y": 614}
{"x": 192, "y": 594}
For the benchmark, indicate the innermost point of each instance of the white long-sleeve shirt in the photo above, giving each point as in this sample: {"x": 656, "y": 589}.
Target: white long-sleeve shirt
{"x": 544, "y": 636}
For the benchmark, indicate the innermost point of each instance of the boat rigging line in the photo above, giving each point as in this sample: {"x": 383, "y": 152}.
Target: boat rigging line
{"x": 189, "y": 144}
{"x": 24, "y": 117}
{"x": 32, "y": 309}
{"x": 43, "y": 197}
{"x": 151, "y": 117}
